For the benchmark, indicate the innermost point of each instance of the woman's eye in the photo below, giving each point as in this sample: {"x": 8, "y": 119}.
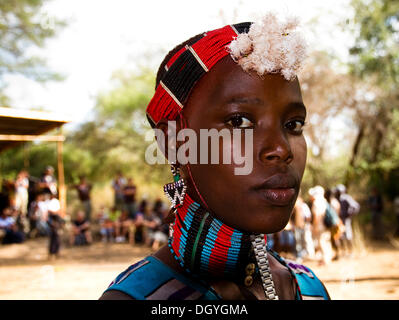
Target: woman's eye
{"x": 239, "y": 121}
{"x": 295, "y": 126}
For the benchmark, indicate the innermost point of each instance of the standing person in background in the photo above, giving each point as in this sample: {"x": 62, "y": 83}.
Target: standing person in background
{"x": 302, "y": 230}
{"x": 310, "y": 249}
{"x": 48, "y": 183}
{"x": 321, "y": 234}
{"x": 376, "y": 206}
{"x": 348, "y": 208}
{"x": 33, "y": 190}
{"x": 118, "y": 184}
{"x": 55, "y": 223}
{"x": 129, "y": 197}
{"x": 21, "y": 198}
{"x": 335, "y": 226}
{"x": 83, "y": 189}
{"x": 21, "y": 192}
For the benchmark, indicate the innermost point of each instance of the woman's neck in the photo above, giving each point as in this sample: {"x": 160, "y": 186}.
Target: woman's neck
{"x": 205, "y": 246}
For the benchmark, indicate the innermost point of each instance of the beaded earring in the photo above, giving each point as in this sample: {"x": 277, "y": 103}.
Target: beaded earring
{"x": 175, "y": 191}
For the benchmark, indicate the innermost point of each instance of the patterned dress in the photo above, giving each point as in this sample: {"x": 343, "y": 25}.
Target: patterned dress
{"x": 151, "y": 279}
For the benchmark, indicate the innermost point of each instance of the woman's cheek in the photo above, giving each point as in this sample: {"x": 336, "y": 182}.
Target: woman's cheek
{"x": 299, "y": 150}
{"x": 240, "y": 151}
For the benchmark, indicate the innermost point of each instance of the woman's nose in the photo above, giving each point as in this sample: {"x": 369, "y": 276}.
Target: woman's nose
{"x": 276, "y": 147}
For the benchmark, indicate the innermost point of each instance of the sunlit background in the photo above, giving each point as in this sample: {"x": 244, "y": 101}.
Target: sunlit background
{"x": 94, "y": 62}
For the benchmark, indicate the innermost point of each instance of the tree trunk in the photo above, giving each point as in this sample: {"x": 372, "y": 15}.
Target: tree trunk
{"x": 355, "y": 151}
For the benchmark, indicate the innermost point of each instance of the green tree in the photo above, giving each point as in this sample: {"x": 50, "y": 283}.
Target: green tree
{"x": 376, "y": 49}
{"x": 114, "y": 140}
{"x": 24, "y": 25}
{"x": 375, "y": 59}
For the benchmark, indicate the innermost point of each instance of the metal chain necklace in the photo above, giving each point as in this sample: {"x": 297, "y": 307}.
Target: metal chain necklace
{"x": 259, "y": 246}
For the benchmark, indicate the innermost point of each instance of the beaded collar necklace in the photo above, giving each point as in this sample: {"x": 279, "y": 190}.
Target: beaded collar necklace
{"x": 203, "y": 245}
{"x": 206, "y": 247}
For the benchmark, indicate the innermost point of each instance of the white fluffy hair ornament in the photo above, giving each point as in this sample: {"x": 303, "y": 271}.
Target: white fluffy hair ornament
{"x": 270, "y": 46}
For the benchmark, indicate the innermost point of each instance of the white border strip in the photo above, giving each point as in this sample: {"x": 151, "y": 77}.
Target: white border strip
{"x": 197, "y": 57}
{"x": 234, "y": 29}
{"x": 171, "y": 94}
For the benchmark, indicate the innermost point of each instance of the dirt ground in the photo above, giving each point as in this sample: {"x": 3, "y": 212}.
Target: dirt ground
{"x": 83, "y": 273}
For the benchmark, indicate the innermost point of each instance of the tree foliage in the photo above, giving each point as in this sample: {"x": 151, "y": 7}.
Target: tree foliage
{"x": 115, "y": 139}
{"x": 376, "y": 49}
{"x": 23, "y": 25}
{"x": 375, "y": 60}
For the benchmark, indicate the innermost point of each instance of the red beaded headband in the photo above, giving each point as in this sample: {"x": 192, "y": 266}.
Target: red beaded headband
{"x": 186, "y": 67}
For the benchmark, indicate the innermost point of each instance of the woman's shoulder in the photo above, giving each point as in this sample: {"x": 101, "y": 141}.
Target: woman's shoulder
{"x": 309, "y": 285}
{"x": 151, "y": 279}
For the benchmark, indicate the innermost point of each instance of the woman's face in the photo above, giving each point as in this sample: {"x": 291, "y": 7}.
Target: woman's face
{"x": 227, "y": 97}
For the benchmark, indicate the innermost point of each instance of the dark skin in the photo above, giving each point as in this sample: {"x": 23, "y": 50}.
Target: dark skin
{"x": 228, "y": 97}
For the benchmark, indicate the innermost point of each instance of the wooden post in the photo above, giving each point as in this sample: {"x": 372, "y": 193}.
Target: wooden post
{"x": 26, "y": 156}
{"x": 61, "y": 179}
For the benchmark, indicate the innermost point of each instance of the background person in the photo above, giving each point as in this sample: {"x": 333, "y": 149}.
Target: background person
{"x": 55, "y": 223}
{"x": 348, "y": 209}
{"x": 129, "y": 198}
{"x": 21, "y": 192}
{"x": 84, "y": 188}
{"x": 302, "y": 230}
{"x": 38, "y": 216}
{"x": 9, "y": 226}
{"x": 80, "y": 233}
{"x": 117, "y": 185}
{"x": 22, "y": 199}
{"x": 321, "y": 234}
{"x": 336, "y": 226}
{"x": 48, "y": 183}
{"x": 106, "y": 225}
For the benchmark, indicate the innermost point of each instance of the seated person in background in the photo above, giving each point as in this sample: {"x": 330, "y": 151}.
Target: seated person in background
{"x": 124, "y": 227}
{"x": 129, "y": 197}
{"x": 106, "y": 225}
{"x": 142, "y": 212}
{"x": 9, "y": 226}
{"x": 38, "y": 216}
{"x": 81, "y": 233}
{"x": 156, "y": 234}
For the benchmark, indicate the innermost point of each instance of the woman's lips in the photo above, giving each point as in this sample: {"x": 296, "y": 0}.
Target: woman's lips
{"x": 278, "y": 197}
{"x": 279, "y": 189}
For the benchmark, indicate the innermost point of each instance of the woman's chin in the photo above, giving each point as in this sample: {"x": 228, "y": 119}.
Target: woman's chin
{"x": 271, "y": 224}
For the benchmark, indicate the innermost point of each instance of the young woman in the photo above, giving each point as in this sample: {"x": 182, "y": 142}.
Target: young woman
{"x": 239, "y": 77}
